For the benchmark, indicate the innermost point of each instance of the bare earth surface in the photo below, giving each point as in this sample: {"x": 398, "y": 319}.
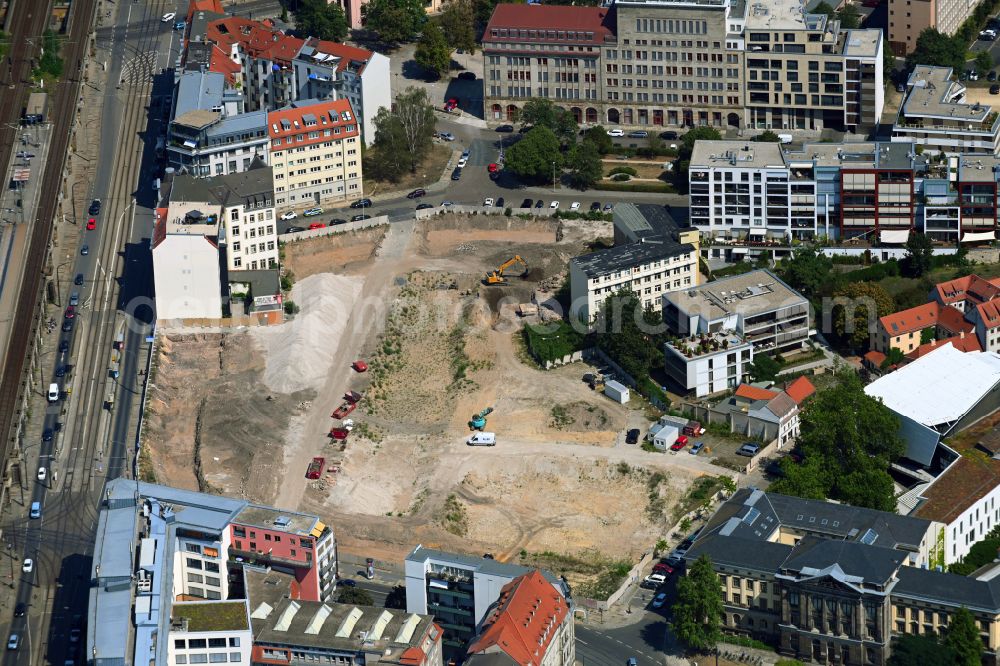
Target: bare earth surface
{"x": 440, "y": 348}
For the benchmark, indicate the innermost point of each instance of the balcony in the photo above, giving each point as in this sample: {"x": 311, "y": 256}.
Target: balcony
{"x": 266, "y": 558}
{"x": 696, "y": 346}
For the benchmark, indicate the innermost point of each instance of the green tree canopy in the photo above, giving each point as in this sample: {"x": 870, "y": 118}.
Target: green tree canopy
{"x": 316, "y": 18}
{"x": 984, "y": 62}
{"x": 586, "y": 165}
{"x": 394, "y": 21}
{"x": 848, "y": 441}
{"x": 50, "y": 64}
{"x": 824, "y": 8}
{"x": 599, "y": 137}
{"x": 863, "y": 304}
{"x": 687, "y": 146}
{"x": 767, "y": 137}
{"x": 402, "y": 135}
{"x": 433, "y": 52}
{"x": 355, "y": 595}
{"x": 764, "y": 368}
{"x": 850, "y": 17}
{"x": 807, "y": 270}
{"x": 536, "y": 155}
{"x": 458, "y": 25}
{"x": 935, "y": 48}
{"x": 539, "y": 112}
{"x": 963, "y": 639}
{"x": 396, "y": 597}
{"x": 698, "y": 610}
{"x": 919, "y": 257}
{"x": 630, "y": 334}
{"x": 919, "y": 650}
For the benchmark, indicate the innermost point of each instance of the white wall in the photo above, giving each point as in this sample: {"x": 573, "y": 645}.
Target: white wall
{"x": 186, "y": 275}
{"x": 376, "y": 93}
{"x": 972, "y": 525}
{"x": 235, "y": 654}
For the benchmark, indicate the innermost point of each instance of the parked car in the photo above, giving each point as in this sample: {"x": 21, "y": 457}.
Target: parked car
{"x": 294, "y": 230}
{"x": 608, "y": 206}
{"x": 467, "y": 76}
{"x": 13, "y": 642}
{"x": 447, "y": 136}
{"x": 424, "y": 206}
{"x": 648, "y": 585}
{"x": 74, "y": 298}
{"x": 310, "y": 212}
{"x": 78, "y": 280}
{"x": 595, "y": 206}
{"x": 358, "y": 218}
{"x": 41, "y": 473}
{"x": 901, "y": 88}
{"x": 575, "y": 205}
{"x": 659, "y": 600}
{"x": 554, "y": 205}
{"x": 616, "y": 132}
{"x": 500, "y": 202}
{"x": 505, "y": 128}
{"x": 749, "y": 450}
{"x": 63, "y": 346}
{"x": 316, "y": 225}
{"x": 337, "y": 220}
{"x": 28, "y": 565}
{"x": 638, "y": 134}
{"x": 47, "y": 435}
{"x": 539, "y": 204}
{"x": 20, "y": 609}
{"x": 91, "y": 224}
{"x": 488, "y": 201}
{"x": 451, "y": 104}
{"x": 362, "y": 203}
{"x": 659, "y": 579}
{"x": 360, "y": 366}
{"x": 70, "y": 312}
{"x": 631, "y": 661}
{"x": 681, "y": 442}
{"x": 668, "y": 136}
{"x": 168, "y": 17}
{"x": 992, "y": 76}
{"x": 456, "y": 174}
{"x": 696, "y": 449}
{"x": 632, "y": 436}
{"x": 462, "y": 161}
{"x": 417, "y": 193}
{"x": 994, "y": 89}
{"x": 85, "y": 250}
{"x": 180, "y": 25}
{"x": 95, "y": 207}
{"x": 290, "y": 215}
{"x": 526, "y": 203}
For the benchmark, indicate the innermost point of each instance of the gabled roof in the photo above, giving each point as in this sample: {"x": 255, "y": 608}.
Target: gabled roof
{"x": 963, "y": 343}
{"x": 300, "y": 119}
{"x": 524, "y": 620}
{"x": 967, "y": 287}
{"x": 751, "y": 392}
{"x": 782, "y": 405}
{"x": 913, "y": 319}
{"x": 953, "y": 320}
{"x": 347, "y": 54}
{"x": 800, "y": 389}
{"x": 989, "y": 313}
{"x": 875, "y": 358}
{"x": 255, "y": 38}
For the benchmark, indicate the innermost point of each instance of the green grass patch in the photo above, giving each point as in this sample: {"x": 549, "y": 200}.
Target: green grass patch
{"x": 551, "y": 342}
{"x": 748, "y": 643}
{"x": 454, "y": 517}
{"x": 700, "y": 494}
{"x": 212, "y": 616}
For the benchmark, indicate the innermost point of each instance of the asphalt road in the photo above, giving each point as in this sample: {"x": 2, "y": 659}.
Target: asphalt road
{"x": 93, "y": 444}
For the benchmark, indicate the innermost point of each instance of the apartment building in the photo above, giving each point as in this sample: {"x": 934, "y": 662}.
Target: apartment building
{"x": 300, "y": 633}
{"x": 758, "y": 306}
{"x": 186, "y": 267}
{"x": 242, "y": 204}
{"x": 168, "y": 572}
{"x": 935, "y": 115}
{"x": 762, "y": 414}
{"x": 709, "y": 363}
{"x": 907, "y": 329}
{"x": 459, "y": 591}
{"x": 531, "y": 624}
{"x": 653, "y": 254}
{"x": 315, "y": 154}
{"x": 685, "y": 63}
{"x": 908, "y": 18}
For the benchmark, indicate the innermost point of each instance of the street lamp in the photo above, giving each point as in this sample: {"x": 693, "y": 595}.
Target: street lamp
{"x": 553, "y": 177}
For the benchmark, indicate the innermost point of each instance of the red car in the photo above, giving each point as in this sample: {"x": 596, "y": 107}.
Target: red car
{"x": 315, "y": 468}
{"x": 679, "y": 444}
{"x": 339, "y": 433}
{"x": 451, "y": 104}
{"x": 91, "y": 224}
{"x": 316, "y": 225}
{"x": 493, "y": 167}
{"x": 663, "y": 569}
{"x": 359, "y": 366}
{"x": 353, "y": 397}
{"x": 70, "y": 312}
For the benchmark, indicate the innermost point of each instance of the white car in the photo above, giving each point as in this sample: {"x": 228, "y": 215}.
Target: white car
{"x": 488, "y": 201}
{"x": 41, "y": 473}
{"x": 290, "y": 215}
{"x": 168, "y": 17}
{"x": 575, "y": 205}
{"x": 28, "y": 566}
{"x": 462, "y": 162}
{"x": 554, "y": 205}
{"x": 616, "y": 132}
{"x": 447, "y": 136}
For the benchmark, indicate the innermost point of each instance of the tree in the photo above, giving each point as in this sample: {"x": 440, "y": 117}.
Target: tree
{"x": 543, "y": 113}
{"x": 395, "y": 21}
{"x": 894, "y": 357}
{"x": 824, "y": 8}
{"x": 433, "y": 52}
{"x": 632, "y": 336}
{"x": 396, "y": 597}
{"x": 764, "y": 368}
{"x": 807, "y": 270}
{"x": 599, "y": 137}
{"x": 458, "y": 25}
{"x": 862, "y": 304}
{"x": 316, "y": 18}
{"x": 850, "y": 17}
{"x": 767, "y": 137}
{"x": 587, "y": 166}
{"x": 356, "y": 596}
{"x": 984, "y": 62}
{"x": 536, "y": 156}
{"x": 687, "y": 146}
{"x": 698, "y": 610}
{"x": 963, "y": 639}
{"x": 402, "y": 136}
{"x": 919, "y": 650}
{"x": 919, "y": 255}
{"x": 935, "y": 48}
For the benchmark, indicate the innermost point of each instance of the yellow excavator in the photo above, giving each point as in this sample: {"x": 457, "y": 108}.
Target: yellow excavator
{"x": 497, "y": 276}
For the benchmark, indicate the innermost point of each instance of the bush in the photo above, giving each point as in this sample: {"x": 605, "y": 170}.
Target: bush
{"x": 508, "y": 211}
{"x": 550, "y": 344}
{"x": 291, "y": 307}
{"x": 623, "y": 169}
{"x": 621, "y": 177}
{"x": 661, "y": 188}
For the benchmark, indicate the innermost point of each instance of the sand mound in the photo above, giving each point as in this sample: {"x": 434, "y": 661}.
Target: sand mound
{"x": 300, "y": 352}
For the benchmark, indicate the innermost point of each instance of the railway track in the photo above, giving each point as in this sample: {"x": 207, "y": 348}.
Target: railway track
{"x": 27, "y": 22}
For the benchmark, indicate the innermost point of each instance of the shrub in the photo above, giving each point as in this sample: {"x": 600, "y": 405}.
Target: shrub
{"x": 662, "y": 188}
{"x": 550, "y": 345}
{"x": 620, "y": 177}
{"x": 291, "y": 307}
{"x": 623, "y": 169}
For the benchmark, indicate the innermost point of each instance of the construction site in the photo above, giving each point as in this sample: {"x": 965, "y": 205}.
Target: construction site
{"x": 409, "y": 334}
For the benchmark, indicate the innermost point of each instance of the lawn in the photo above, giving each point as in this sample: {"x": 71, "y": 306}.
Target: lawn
{"x": 643, "y": 169}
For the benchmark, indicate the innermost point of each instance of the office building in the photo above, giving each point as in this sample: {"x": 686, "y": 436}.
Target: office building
{"x": 315, "y": 154}
{"x": 758, "y": 306}
{"x": 653, "y": 254}
{"x": 531, "y": 624}
{"x": 301, "y": 633}
{"x": 685, "y": 63}
{"x": 459, "y": 590}
{"x": 168, "y": 572}
{"x": 935, "y": 115}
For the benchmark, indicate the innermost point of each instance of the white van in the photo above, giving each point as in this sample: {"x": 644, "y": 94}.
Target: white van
{"x": 785, "y": 138}
{"x": 482, "y": 439}
{"x": 53, "y": 392}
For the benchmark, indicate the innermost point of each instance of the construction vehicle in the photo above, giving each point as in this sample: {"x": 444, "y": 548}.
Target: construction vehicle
{"x": 497, "y": 276}
{"x": 595, "y": 380}
{"x": 478, "y": 421}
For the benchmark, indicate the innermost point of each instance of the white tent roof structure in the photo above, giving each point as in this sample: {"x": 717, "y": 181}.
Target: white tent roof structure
{"x": 939, "y": 387}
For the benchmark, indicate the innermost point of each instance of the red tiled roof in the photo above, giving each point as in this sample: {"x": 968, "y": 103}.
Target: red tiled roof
{"x": 989, "y": 312}
{"x": 753, "y": 393}
{"x": 324, "y": 120}
{"x": 964, "y": 343}
{"x": 204, "y": 6}
{"x": 953, "y": 291}
{"x": 968, "y": 287}
{"x": 412, "y": 656}
{"x": 800, "y": 389}
{"x": 347, "y": 54}
{"x": 914, "y": 319}
{"x": 953, "y": 320}
{"x": 255, "y": 38}
{"x": 876, "y": 358}
{"x": 524, "y": 621}
{"x": 982, "y": 290}
{"x": 222, "y": 64}
{"x": 590, "y": 24}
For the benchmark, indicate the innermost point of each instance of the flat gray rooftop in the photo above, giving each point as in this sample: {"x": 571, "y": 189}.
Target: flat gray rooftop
{"x": 748, "y": 294}
{"x": 932, "y": 94}
{"x": 737, "y": 154}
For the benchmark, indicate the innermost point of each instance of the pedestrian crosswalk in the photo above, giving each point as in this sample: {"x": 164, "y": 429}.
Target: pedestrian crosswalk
{"x": 139, "y": 69}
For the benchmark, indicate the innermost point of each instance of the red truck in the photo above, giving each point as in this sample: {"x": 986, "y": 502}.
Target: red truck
{"x": 344, "y": 409}
{"x": 339, "y": 434}
{"x": 315, "y": 468}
